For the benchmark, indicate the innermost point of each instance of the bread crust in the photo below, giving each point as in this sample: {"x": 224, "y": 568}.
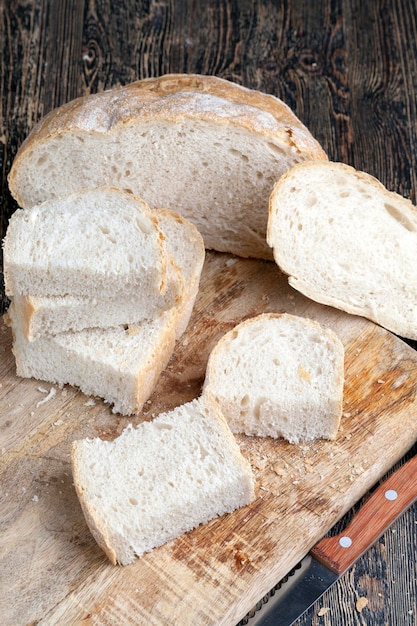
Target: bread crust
{"x": 216, "y": 426}
{"x": 217, "y": 358}
{"x": 171, "y": 98}
{"x": 405, "y": 213}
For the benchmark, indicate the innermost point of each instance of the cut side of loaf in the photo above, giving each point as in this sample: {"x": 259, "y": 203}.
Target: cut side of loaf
{"x": 84, "y": 244}
{"x": 278, "y": 376}
{"x": 160, "y": 479}
{"x": 348, "y": 242}
{"x": 120, "y": 365}
{"x": 200, "y": 145}
{"x": 55, "y": 314}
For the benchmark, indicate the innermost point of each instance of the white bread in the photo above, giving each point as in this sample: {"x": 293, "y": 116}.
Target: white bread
{"x": 205, "y": 147}
{"x": 186, "y": 246}
{"x": 348, "y": 242}
{"x": 160, "y": 479}
{"x": 279, "y": 376}
{"x": 85, "y": 244}
{"x": 54, "y": 314}
{"x": 120, "y": 365}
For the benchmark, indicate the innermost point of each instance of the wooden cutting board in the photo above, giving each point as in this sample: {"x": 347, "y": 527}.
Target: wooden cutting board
{"x": 52, "y": 571}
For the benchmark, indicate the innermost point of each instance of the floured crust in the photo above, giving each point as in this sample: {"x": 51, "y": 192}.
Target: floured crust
{"x": 173, "y": 97}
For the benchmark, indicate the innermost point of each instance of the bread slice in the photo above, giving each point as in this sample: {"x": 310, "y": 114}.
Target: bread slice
{"x": 279, "y": 376}
{"x": 55, "y": 314}
{"x": 346, "y": 241}
{"x": 120, "y": 365}
{"x": 160, "y": 479}
{"x": 200, "y": 145}
{"x": 186, "y": 246}
{"x": 85, "y": 244}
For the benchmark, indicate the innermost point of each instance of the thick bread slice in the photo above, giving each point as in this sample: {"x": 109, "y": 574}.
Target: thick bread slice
{"x": 85, "y": 244}
{"x": 55, "y": 314}
{"x": 279, "y": 376}
{"x": 186, "y": 245}
{"x": 346, "y": 241}
{"x": 49, "y": 315}
{"x": 205, "y": 147}
{"x": 160, "y": 479}
{"x": 120, "y": 365}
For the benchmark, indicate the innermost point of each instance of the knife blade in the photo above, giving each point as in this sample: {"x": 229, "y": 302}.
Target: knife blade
{"x": 331, "y": 557}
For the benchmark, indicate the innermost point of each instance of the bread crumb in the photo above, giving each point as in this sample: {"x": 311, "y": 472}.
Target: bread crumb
{"x": 35, "y": 498}
{"x": 59, "y": 422}
{"x": 361, "y": 603}
{"x": 380, "y": 381}
{"x": 323, "y": 611}
{"x": 50, "y": 395}
{"x": 90, "y": 402}
{"x": 279, "y": 471}
{"x": 261, "y": 463}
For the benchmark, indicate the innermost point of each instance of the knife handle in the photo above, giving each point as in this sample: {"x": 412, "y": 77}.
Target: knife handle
{"x": 382, "y": 508}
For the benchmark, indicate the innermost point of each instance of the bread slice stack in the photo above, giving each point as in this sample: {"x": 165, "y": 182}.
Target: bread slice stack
{"x": 100, "y": 287}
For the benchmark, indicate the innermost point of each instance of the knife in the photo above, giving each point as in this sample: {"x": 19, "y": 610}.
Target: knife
{"x": 329, "y": 559}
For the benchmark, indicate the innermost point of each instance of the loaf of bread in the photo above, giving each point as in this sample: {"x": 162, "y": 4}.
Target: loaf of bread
{"x": 84, "y": 244}
{"x": 346, "y": 241}
{"x": 160, "y": 479}
{"x": 205, "y": 147}
{"x": 278, "y": 376}
{"x": 38, "y": 316}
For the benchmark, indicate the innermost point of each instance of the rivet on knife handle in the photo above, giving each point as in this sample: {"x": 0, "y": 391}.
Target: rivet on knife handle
{"x": 386, "y": 503}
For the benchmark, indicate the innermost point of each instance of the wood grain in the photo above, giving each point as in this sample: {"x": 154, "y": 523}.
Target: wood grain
{"x": 348, "y": 69}
{"x": 55, "y": 572}
{"x": 373, "y": 518}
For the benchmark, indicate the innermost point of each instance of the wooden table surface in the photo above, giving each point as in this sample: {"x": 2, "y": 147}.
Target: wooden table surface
{"x": 348, "y": 69}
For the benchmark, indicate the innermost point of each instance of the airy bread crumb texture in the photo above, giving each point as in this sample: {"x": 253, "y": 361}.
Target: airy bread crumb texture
{"x": 83, "y": 244}
{"x": 120, "y": 364}
{"x": 205, "y": 147}
{"x": 279, "y": 376}
{"x": 50, "y": 315}
{"x": 160, "y": 479}
{"x": 346, "y": 241}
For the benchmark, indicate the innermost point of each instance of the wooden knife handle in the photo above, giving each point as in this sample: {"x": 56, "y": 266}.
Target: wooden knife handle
{"x": 386, "y": 503}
